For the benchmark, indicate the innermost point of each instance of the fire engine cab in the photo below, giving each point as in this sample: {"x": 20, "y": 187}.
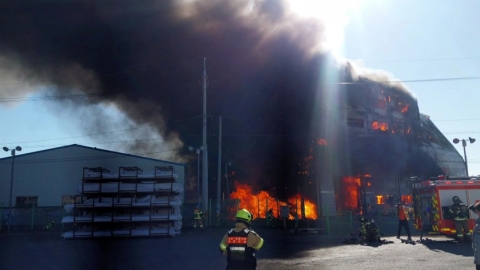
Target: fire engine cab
{"x": 432, "y": 199}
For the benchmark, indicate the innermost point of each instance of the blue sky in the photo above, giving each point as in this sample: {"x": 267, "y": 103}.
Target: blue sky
{"x": 416, "y": 41}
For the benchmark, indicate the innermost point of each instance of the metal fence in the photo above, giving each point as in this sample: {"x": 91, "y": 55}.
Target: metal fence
{"x": 40, "y": 218}
{"x": 225, "y": 214}
{"x": 339, "y": 224}
{"x": 31, "y": 218}
{"x": 346, "y": 222}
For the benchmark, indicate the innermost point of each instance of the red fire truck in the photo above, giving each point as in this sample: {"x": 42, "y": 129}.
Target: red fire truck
{"x": 432, "y": 199}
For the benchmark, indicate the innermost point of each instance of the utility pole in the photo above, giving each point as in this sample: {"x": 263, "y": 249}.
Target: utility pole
{"x": 219, "y": 172}
{"x": 205, "y": 149}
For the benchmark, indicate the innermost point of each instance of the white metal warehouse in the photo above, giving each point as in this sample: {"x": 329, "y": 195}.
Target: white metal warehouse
{"x": 50, "y": 177}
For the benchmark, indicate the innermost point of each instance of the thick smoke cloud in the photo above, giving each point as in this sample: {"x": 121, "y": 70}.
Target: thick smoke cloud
{"x": 146, "y": 58}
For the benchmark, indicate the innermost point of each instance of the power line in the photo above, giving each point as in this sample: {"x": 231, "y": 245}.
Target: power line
{"x": 445, "y": 120}
{"x": 103, "y": 133}
{"x": 42, "y": 98}
{"x": 80, "y": 136}
{"x": 465, "y": 132}
{"x": 409, "y": 81}
{"x": 423, "y": 60}
{"x": 325, "y": 83}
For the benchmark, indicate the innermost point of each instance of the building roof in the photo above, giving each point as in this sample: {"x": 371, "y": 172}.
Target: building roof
{"x": 94, "y": 148}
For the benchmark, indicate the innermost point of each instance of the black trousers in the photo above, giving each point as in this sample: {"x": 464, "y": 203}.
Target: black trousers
{"x": 403, "y": 223}
{"x": 477, "y": 266}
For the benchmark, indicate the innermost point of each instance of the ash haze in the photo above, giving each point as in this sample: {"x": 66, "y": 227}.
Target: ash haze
{"x": 126, "y": 75}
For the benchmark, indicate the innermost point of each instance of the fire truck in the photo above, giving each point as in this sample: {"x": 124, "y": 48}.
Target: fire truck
{"x": 433, "y": 197}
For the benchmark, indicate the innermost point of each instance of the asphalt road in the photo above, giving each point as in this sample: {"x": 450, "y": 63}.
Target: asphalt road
{"x": 199, "y": 250}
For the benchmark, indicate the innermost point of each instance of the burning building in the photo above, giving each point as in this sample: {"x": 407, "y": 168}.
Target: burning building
{"x": 378, "y": 140}
{"x": 360, "y": 150}
{"x": 295, "y": 120}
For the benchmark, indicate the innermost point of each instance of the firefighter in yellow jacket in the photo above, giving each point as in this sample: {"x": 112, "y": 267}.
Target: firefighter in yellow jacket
{"x": 240, "y": 243}
{"x": 197, "y": 218}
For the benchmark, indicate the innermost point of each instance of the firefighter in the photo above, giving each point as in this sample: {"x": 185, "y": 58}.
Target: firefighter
{"x": 270, "y": 217}
{"x": 403, "y": 217}
{"x": 49, "y": 224}
{"x": 197, "y": 218}
{"x": 369, "y": 232}
{"x": 240, "y": 243}
{"x": 460, "y": 215}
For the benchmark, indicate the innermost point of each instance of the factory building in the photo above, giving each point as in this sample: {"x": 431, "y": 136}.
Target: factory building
{"x": 53, "y": 178}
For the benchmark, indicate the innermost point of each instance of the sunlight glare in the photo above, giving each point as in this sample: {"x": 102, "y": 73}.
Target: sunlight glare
{"x": 334, "y": 13}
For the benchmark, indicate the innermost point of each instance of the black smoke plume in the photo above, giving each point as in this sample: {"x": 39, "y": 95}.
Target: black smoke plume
{"x": 147, "y": 57}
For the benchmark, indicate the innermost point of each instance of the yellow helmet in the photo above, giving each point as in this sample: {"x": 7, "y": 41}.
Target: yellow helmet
{"x": 243, "y": 215}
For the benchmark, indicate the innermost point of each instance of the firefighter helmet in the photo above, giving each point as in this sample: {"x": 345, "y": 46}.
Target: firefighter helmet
{"x": 456, "y": 199}
{"x": 243, "y": 215}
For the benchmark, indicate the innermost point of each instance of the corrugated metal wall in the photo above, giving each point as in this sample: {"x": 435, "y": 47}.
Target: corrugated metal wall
{"x": 50, "y": 174}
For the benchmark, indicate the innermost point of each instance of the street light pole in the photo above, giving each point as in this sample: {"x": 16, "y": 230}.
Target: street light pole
{"x": 227, "y": 164}
{"x": 204, "y": 144}
{"x": 464, "y": 144}
{"x": 219, "y": 169}
{"x": 6, "y": 149}
{"x": 198, "y": 176}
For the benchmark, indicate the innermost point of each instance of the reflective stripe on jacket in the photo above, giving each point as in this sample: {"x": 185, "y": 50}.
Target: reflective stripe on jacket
{"x": 239, "y": 254}
{"x": 197, "y": 214}
{"x": 403, "y": 215}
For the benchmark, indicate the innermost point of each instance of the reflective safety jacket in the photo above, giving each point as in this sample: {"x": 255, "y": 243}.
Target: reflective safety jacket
{"x": 402, "y": 212}
{"x": 239, "y": 254}
{"x": 197, "y": 214}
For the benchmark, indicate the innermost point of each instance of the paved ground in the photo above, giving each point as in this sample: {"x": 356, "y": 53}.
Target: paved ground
{"x": 199, "y": 250}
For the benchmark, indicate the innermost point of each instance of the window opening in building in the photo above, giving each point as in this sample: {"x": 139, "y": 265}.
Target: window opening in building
{"x": 26, "y": 201}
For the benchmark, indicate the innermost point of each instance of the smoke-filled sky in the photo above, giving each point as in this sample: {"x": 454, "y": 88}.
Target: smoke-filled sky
{"x": 127, "y": 76}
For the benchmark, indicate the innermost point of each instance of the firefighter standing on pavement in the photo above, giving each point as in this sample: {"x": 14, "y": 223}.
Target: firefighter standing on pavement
{"x": 460, "y": 215}
{"x": 197, "y": 218}
{"x": 240, "y": 243}
{"x": 403, "y": 217}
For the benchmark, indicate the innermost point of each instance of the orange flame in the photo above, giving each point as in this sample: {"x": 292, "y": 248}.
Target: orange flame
{"x": 258, "y": 204}
{"x": 383, "y": 126}
{"x": 349, "y": 200}
{"x": 380, "y": 199}
{"x": 407, "y": 199}
{"x": 310, "y": 208}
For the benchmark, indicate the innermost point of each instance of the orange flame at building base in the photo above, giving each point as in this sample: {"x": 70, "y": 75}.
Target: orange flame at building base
{"x": 258, "y": 204}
